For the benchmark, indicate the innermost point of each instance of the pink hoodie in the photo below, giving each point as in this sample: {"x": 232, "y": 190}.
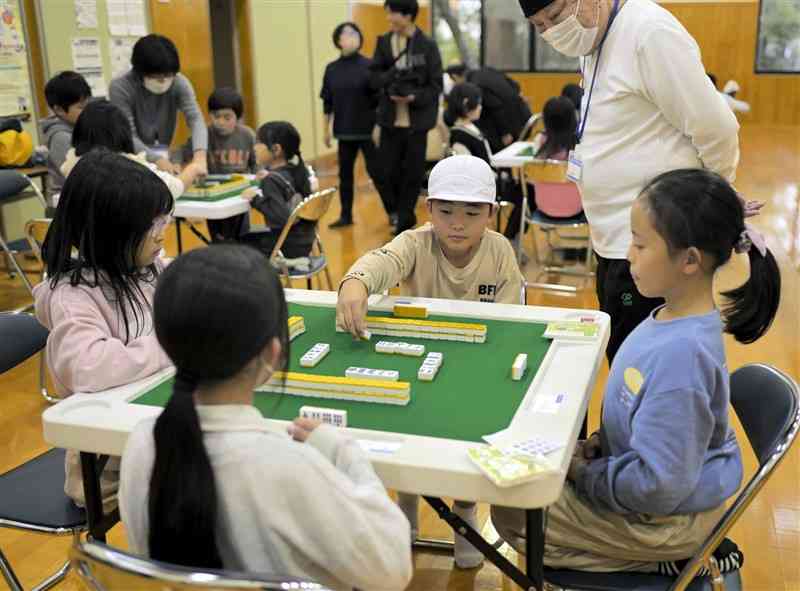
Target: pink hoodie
{"x": 86, "y": 352}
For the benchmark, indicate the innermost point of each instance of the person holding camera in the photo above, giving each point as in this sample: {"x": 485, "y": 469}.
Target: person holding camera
{"x": 406, "y": 71}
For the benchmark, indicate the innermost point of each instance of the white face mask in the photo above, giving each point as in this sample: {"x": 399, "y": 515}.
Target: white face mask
{"x": 158, "y": 86}
{"x": 570, "y": 37}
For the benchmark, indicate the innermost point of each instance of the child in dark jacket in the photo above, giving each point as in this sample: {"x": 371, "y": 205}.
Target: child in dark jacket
{"x": 285, "y": 186}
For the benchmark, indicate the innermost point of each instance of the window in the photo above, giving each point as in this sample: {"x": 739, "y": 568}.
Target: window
{"x": 778, "y": 47}
{"x": 493, "y": 33}
{"x": 457, "y": 30}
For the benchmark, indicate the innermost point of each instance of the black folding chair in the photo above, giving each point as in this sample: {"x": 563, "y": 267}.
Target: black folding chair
{"x": 32, "y": 495}
{"x": 15, "y": 186}
{"x": 767, "y": 403}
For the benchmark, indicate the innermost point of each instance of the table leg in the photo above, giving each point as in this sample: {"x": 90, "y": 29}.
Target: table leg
{"x": 534, "y": 546}
{"x": 197, "y": 233}
{"x": 178, "y": 234}
{"x": 99, "y": 523}
{"x": 460, "y": 526}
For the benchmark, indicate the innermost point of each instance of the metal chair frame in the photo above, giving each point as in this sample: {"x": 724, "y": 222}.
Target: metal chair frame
{"x": 10, "y": 254}
{"x": 35, "y": 232}
{"x": 766, "y": 469}
{"x": 311, "y": 209}
{"x": 96, "y": 562}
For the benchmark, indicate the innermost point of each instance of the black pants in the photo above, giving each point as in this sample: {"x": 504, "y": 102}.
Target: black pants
{"x": 511, "y": 190}
{"x": 402, "y": 156}
{"x": 348, "y": 151}
{"x": 620, "y": 299}
{"x": 226, "y": 230}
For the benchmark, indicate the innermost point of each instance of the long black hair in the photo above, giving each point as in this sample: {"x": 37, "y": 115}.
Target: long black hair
{"x": 102, "y": 124}
{"x": 286, "y": 135}
{"x": 107, "y": 208}
{"x": 215, "y": 310}
{"x": 561, "y": 127}
{"x": 464, "y": 97}
{"x": 698, "y": 208}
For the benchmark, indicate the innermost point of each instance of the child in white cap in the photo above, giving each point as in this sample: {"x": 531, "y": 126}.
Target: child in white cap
{"x": 455, "y": 256}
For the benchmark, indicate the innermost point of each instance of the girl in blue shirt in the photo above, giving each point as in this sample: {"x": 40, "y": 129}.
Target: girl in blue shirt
{"x": 651, "y": 485}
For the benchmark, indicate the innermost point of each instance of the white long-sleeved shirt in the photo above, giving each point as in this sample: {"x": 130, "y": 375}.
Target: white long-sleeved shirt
{"x": 313, "y": 509}
{"x": 653, "y": 109}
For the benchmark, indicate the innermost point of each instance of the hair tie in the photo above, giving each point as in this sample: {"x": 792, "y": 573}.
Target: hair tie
{"x": 748, "y": 238}
{"x": 185, "y": 381}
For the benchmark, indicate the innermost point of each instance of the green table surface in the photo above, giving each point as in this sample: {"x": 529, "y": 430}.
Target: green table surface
{"x": 473, "y": 393}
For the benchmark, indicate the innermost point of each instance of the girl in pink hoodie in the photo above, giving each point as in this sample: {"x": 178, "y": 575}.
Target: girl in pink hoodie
{"x": 101, "y": 255}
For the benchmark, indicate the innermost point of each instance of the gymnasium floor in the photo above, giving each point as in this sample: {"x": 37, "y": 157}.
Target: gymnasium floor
{"x": 769, "y": 532}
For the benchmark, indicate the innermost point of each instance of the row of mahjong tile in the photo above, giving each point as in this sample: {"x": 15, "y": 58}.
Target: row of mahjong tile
{"x": 395, "y": 348}
{"x": 315, "y": 354}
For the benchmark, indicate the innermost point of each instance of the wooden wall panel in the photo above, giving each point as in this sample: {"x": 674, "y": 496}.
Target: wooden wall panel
{"x": 726, "y": 33}
{"x": 243, "y": 28}
{"x": 187, "y": 23}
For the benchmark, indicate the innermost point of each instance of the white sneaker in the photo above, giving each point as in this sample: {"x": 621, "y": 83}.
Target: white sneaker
{"x": 466, "y": 555}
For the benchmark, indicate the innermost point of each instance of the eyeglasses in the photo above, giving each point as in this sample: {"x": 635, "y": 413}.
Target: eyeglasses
{"x": 160, "y": 224}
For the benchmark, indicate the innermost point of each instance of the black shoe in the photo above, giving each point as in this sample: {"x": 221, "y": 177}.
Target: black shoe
{"x": 341, "y": 223}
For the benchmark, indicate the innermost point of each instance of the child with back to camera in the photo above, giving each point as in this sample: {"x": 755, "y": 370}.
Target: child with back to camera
{"x": 210, "y": 483}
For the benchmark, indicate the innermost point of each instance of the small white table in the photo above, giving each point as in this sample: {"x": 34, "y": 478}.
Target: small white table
{"x": 434, "y": 467}
{"x": 509, "y": 156}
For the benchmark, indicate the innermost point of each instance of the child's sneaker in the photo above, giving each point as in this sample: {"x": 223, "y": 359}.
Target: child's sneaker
{"x": 466, "y": 555}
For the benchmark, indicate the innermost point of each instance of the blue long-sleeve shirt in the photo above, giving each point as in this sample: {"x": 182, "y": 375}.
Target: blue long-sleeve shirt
{"x": 668, "y": 447}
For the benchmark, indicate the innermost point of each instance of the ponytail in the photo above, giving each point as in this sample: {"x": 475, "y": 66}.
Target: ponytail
{"x": 182, "y": 511}
{"x": 300, "y": 177}
{"x": 697, "y": 208}
{"x": 751, "y": 307}
{"x": 214, "y": 310}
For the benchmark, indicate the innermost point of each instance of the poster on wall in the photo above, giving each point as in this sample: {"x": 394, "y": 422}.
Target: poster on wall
{"x": 121, "y": 50}
{"x": 86, "y": 14}
{"x": 87, "y": 60}
{"x": 127, "y": 17}
{"x": 15, "y": 88}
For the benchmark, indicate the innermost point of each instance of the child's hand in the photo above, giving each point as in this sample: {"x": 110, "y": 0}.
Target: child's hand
{"x": 167, "y": 166}
{"x": 262, "y": 174}
{"x": 301, "y": 428}
{"x": 591, "y": 448}
{"x": 351, "y": 307}
{"x": 576, "y": 465}
{"x": 250, "y": 194}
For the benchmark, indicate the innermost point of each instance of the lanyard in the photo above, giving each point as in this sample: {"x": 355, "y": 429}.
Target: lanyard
{"x": 582, "y": 127}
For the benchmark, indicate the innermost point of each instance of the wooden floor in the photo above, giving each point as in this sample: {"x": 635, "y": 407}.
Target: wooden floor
{"x": 769, "y": 532}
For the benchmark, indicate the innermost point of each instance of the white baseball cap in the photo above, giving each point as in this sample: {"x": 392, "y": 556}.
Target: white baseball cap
{"x": 462, "y": 178}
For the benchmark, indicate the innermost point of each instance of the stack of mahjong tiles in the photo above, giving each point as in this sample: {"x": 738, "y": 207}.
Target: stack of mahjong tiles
{"x": 430, "y": 367}
{"x": 425, "y": 329}
{"x": 339, "y": 388}
{"x": 215, "y": 187}
{"x": 297, "y": 326}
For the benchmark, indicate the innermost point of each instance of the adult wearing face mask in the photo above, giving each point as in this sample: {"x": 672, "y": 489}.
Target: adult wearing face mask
{"x": 648, "y": 107}
{"x": 349, "y": 104}
{"x": 150, "y": 94}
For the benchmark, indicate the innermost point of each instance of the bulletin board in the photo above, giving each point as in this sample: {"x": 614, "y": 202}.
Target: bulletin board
{"x": 93, "y": 37}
